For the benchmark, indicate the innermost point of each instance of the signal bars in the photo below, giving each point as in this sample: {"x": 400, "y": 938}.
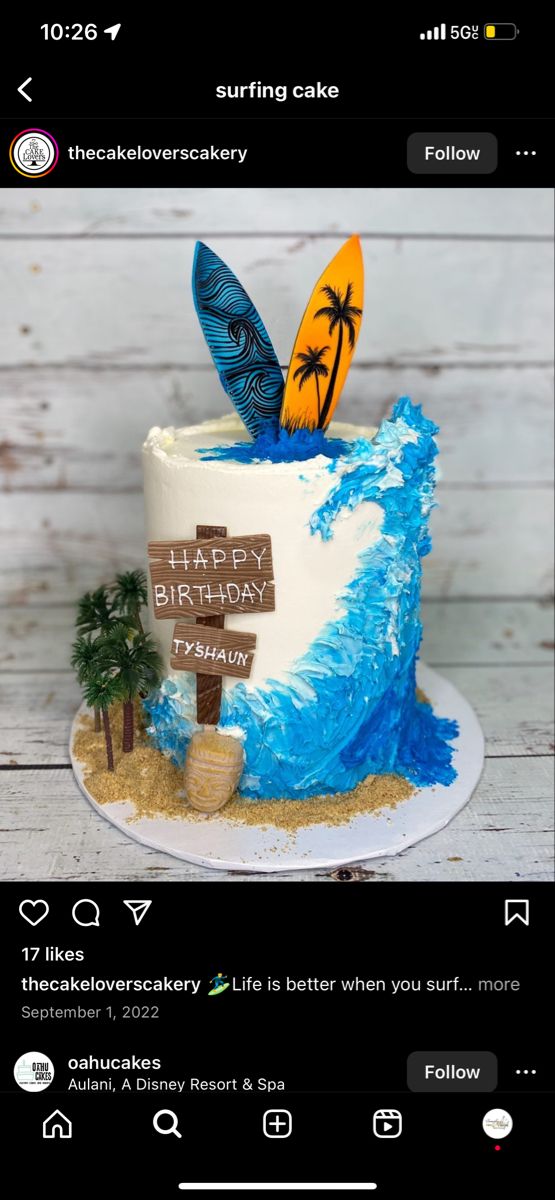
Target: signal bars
{"x": 437, "y": 34}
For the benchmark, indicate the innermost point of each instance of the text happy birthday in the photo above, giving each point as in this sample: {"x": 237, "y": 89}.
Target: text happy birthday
{"x": 219, "y": 575}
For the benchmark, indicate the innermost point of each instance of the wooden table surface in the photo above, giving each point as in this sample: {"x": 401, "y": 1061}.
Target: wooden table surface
{"x": 98, "y": 341}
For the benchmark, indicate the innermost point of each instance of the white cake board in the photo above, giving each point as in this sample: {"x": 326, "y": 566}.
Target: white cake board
{"x": 228, "y": 845}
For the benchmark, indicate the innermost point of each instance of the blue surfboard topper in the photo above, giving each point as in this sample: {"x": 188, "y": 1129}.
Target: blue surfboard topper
{"x": 243, "y": 354}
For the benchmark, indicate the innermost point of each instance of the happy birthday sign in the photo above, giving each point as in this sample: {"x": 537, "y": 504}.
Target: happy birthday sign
{"x": 206, "y": 579}
{"x": 216, "y": 575}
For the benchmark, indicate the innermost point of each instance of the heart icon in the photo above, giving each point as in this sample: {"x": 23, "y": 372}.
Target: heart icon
{"x": 40, "y": 907}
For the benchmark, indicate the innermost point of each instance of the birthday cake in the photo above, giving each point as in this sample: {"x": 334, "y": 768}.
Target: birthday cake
{"x": 285, "y": 559}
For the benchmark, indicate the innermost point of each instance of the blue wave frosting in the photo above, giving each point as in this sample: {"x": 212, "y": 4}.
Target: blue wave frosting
{"x": 280, "y": 446}
{"x": 349, "y": 706}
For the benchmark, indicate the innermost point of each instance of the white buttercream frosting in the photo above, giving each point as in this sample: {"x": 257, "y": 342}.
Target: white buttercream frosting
{"x": 183, "y": 490}
{"x": 183, "y": 446}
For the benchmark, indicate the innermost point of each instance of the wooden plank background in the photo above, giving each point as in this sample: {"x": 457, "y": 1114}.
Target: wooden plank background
{"x": 98, "y": 341}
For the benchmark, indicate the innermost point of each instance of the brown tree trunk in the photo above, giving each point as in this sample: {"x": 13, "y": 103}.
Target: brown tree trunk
{"x": 128, "y": 721}
{"x": 138, "y": 621}
{"x": 319, "y": 401}
{"x": 108, "y": 737}
{"x": 97, "y": 720}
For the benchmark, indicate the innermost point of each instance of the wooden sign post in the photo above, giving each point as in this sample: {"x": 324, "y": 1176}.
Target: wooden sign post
{"x": 209, "y": 687}
{"x": 205, "y": 579}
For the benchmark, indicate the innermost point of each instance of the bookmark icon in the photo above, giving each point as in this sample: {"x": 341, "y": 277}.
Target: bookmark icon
{"x": 517, "y": 910}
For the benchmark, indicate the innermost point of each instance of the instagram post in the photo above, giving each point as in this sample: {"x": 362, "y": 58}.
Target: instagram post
{"x": 226, "y": 751}
{"x": 276, "y": 451}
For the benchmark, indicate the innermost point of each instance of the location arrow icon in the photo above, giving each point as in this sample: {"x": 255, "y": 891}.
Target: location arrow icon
{"x": 113, "y": 30}
{"x": 138, "y": 908}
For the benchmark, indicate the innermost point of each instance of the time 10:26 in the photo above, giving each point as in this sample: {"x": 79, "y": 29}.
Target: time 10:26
{"x": 76, "y": 32}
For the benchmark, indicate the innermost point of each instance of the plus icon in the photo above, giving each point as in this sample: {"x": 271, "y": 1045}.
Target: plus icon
{"x": 277, "y": 1123}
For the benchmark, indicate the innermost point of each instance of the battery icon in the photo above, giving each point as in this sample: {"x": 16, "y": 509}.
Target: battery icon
{"x": 500, "y": 33}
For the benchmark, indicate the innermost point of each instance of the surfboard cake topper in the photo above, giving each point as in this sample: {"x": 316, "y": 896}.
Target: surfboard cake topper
{"x": 325, "y": 343}
{"x": 238, "y": 341}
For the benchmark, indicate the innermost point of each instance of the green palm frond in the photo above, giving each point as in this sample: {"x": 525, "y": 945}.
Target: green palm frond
{"x": 150, "y": 662}
{"x": 115, "y": 637}
{"x": 94, "y": 611}
{"x": 102, "y": 690}
{"x": 129, "y": 594}
{"x": 135, "y": 663}
{"x": 86, "y": 656}
{"x": 129, "y": 591}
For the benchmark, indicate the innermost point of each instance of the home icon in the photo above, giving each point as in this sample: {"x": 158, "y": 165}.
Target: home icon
{"x": 56, "y": 1125}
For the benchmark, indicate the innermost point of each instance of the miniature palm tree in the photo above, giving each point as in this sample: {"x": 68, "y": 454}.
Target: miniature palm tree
{"x": 340, "y": 312}
{"x": 137, "y": 668}
{"x": 101, "y": 691}
{"x": 129, "y": 595}
{"x": 312, "y": 365}
{"x": 94, "y": 615}
{"x": 85, "y": 658}
{"x": 95, "y": 611}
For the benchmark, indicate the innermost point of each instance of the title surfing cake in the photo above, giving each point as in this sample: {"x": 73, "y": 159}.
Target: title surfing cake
{"x": 285, "y": 558}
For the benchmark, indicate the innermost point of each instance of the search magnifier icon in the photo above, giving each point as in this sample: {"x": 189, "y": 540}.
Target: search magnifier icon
{"x": 171, "y": 1128}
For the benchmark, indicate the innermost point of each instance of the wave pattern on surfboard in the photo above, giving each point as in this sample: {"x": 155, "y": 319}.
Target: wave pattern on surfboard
{"x": 238, "y": 342}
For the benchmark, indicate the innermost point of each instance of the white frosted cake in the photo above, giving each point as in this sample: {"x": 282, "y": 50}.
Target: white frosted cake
{"x": 284, "y": 563}
{"x": 331, "y": 695}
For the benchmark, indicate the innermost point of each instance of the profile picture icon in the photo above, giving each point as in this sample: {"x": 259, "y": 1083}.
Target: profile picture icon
{"x": 33, "y": 1071}
{"x": 34, "y": 153}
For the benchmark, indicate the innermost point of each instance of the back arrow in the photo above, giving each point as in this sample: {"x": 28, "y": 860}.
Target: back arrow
{"x": 24, "y": 85}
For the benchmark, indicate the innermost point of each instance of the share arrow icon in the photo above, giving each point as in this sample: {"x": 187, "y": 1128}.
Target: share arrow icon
{"x": 138, "y": 908}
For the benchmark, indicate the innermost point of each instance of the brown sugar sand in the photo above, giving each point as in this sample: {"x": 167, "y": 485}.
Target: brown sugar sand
{"x": 372, "y": 795}
{"x": 155, "y": 786}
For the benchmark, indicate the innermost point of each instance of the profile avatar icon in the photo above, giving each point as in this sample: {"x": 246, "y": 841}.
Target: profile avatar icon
{"x": 34, "y": 154}
{"x": 218, "y": 984}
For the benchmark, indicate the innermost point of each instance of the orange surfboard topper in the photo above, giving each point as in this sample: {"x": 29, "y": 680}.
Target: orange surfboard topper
{"x": 325, "y": 343}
